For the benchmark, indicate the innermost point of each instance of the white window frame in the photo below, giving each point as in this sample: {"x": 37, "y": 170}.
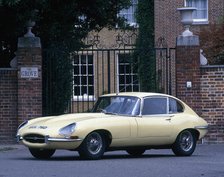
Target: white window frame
{"x": 132, "y": 74}
{"x": 201, "y": 20}
{"x": 130, "y": 11}
{"x": 85, "y": 96}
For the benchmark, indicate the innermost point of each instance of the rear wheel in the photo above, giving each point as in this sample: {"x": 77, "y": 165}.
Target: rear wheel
{"x": 42, "y": 153}
{"x": 93, "y": 147}
{"x": 185, "y": 144}
{"x": 136, "y": 152}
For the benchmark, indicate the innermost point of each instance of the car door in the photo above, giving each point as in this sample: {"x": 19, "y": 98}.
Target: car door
{"x": 155, "y": 122}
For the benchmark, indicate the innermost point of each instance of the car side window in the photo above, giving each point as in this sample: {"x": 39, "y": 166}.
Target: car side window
{"x": 154, "y": 106}
{"x": 174, "y": 106}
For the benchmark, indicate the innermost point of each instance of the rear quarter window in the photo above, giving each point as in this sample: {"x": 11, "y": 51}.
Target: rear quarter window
{"x": 175, "y": 106}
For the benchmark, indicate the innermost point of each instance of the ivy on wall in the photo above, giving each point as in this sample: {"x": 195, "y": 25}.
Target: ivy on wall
{"x": 212, "y": 43}
{"x": 57, "y": 81}
{"x": 145, "y": 54}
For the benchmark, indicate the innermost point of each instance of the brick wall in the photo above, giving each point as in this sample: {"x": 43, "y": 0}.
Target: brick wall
{"x": 29, "y": 89}
{"x": 20, "y": 97}
{"x": 167, "y": 19}
{"x": 206, "y": 96}
{"x": 187, "y": 70}
{"x": 8, "y": 105}
{"x": 212, "y": 101}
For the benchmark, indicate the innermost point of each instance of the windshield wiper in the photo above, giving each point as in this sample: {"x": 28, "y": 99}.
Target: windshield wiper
{"x": 105, "y": 112}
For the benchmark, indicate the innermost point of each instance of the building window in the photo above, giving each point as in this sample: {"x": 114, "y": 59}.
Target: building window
{"x": 129, "y": 14}
{"x": 83, "y": 76}
{"x": 201, "y": 14}
{"x": 127, "y": 74}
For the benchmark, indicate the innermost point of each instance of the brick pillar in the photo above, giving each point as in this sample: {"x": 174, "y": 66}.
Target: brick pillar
{"x": 29, "y": 60}
{"x": 188, "y": 71}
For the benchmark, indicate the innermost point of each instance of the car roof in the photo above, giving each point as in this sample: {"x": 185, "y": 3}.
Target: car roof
{"x": 148, "y": 94}
{"x": 137, "y": 94}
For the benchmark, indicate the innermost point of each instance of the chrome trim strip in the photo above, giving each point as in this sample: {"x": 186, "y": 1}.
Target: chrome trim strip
{"x": 61, "y": 140}
{"x": 201, "y": 127}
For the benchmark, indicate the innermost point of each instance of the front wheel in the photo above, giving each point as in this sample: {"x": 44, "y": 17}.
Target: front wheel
{"x": 185, "y": 144}
{"x": 42, "y": 153}
{"x": 93, "y": 146}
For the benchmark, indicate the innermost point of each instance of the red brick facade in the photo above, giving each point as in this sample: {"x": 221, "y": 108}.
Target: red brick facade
{"x": 29, "y": 89}
{"x": 212, "y": 101}
{"x": 20, "y": 95}
{"x": 206, "y": 95}
{"x": 8, "y": 105}
{"x": 167, "y": 19}
{"x": 187, "y": 70}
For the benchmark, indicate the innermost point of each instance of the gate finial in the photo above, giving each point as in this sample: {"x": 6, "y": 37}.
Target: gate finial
{"x": 30, "y": 24}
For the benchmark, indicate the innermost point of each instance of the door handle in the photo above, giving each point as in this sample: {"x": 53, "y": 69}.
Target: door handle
{"x": 168, "y": 119}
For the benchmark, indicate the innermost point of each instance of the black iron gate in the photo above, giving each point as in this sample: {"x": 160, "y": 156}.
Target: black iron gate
{"x": 99, "y": 70}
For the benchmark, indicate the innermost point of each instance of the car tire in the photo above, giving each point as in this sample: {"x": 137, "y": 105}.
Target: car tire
{"x": 135, "y": 152}
{"x": 93, "y": 146}
{"x": 185, "y": 144}
{"x": 42, "y": 153}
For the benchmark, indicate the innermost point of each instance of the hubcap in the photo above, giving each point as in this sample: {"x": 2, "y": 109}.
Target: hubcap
{"x": 94, "y": 143}
{"x": 187, "y": 141}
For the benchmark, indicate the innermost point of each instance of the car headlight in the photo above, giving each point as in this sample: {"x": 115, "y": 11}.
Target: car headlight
{"x": 22, "y": 125}
{"x": 67, "y": 130}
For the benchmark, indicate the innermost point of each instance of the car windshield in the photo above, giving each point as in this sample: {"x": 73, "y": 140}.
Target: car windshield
{"x": 122, "y": 105}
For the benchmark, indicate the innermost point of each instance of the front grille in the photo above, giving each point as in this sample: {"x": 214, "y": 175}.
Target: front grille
{"x": 34, "y": 138}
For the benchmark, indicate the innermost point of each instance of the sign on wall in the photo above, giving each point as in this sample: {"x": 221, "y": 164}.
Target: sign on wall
{"x": 29, "y": 72}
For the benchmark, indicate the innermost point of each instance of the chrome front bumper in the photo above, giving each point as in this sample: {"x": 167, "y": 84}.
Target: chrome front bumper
{"x": 48, "y": 139}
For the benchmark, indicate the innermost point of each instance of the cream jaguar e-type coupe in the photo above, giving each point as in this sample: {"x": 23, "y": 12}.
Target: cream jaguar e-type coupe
{"x": 133, "y": 122}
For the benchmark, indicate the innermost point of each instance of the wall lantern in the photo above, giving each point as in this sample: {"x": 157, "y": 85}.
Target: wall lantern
{"x": 187, "y": 19}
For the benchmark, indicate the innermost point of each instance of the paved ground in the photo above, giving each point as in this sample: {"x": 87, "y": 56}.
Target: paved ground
{"x": 207, "y": 161}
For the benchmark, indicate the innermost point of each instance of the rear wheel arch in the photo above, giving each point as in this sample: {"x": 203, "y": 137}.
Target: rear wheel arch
{"x": 195, "y": 133}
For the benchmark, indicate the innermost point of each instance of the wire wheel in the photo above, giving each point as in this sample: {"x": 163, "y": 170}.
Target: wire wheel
{"x": 93, "y": 146}
{"x": 186, "y": 140}
{"x": 185, "y": 144}
{"x": 94, "y": 143}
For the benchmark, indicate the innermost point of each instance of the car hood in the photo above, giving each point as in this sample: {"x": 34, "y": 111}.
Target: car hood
{"x": 63, "y": 120}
